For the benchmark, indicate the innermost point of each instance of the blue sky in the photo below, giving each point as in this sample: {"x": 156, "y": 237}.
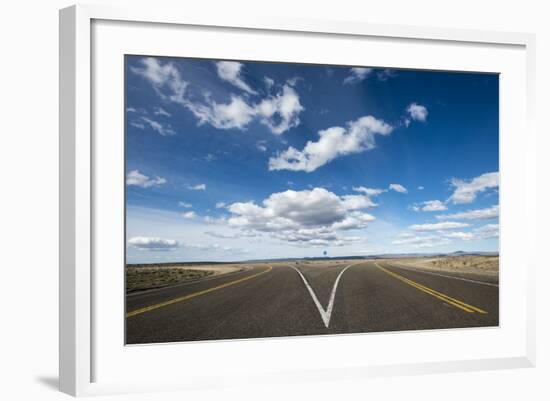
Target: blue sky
{"x": 234, "y": 160}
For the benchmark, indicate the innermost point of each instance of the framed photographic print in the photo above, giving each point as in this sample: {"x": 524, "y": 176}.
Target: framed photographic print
{"x": 340, "y": 187}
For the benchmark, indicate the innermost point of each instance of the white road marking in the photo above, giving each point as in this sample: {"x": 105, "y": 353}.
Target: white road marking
{"x": 444, "y": 275}
{"x": 325, "y": 314}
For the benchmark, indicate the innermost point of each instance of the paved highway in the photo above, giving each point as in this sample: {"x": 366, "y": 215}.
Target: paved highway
{"x": 310, "y": 299}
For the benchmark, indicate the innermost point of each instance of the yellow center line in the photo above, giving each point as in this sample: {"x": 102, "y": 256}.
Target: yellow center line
{"x": 452, "y": 301}
{"x": 193, "y": 295}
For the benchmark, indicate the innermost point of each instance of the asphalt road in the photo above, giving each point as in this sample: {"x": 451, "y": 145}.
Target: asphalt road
{"x": 310, "y": 299}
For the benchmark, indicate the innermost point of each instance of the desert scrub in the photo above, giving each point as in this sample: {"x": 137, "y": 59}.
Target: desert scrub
{"x": 139, "y": 279}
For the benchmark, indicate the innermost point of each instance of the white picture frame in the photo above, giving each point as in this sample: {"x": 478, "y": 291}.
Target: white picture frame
{"x": 79, "y": 345}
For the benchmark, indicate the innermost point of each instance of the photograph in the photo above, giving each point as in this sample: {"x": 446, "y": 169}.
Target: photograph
{"x": 274, "y": 199}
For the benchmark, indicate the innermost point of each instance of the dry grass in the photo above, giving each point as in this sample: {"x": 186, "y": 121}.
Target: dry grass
{"x": 475, "y": 265}
{"x": 146, "y": 277}
{"x": 139, "y": 279}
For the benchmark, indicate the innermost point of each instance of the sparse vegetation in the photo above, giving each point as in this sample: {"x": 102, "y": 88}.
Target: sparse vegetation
{"x": 472, "y": 266}
{"x": 473, "y": 263}
{"x": 138, "y": 279}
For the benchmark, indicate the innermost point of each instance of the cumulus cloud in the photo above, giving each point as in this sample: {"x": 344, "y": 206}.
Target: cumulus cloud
{"x": 398, "y": 188}
{"x": 188, "y": 215}
{"x": 358, "y": 136}
{"x": 279, "y": 112}
{"x": 198, "y": 187}
{"x": 153, "y": 243}
{"x": 447, "y": 225}
{"x": 477, "y": 214}
{"x": 417, "y": 112}
{"x": 309, "y": 217}
{"x": 135, "y": 178}
{"x": 237, "y": 113}
{"x": 185, "y": 205}
{"x": 356, "y": 75}
{"x": 165, "y": 78}
{"x": 230, "y": 71}
{"x": 429, "y": 206}
{"x": 466, "y": 191}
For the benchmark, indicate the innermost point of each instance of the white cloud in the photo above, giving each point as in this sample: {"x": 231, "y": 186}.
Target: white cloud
{"x": 477, "y": 214}
{"x": 467, "y": 191}
{"x": 443, "y": 236}
{"x": 487, "y": 231}
{"x": 135, "y": 178}
{"x": 460, "y": 235}
{"x": 430, "y": 206}
{"x": 356, "y": 75}
{"x": 385, "y": 74}
{"x": 165, "y": 78}
{"x": 369, "y": 191}
{"x": 420, "y": 241}
{"x": 137, "y": 124}
{"x": 353, "y": 202}
{"x": 279, "y": 112}
{"x": 188, "y": 215}
{"x": 159, "y": 111}
{"x": 217, "y": 248}
{"x": 198, "y": 187}
{"x": 269, "y": 82}
{"x": 261, "y": 147}
{"x": 356, "y": 137}
{"x": 185, "y": 205}
{"x": 230, "y": 71}
{"x": 220, "y": 205}
{"x": 153, "y": 243}
{"x": 131, "y": 110}
{"x": 309, "y": 217}
{"x": 447, "y": 225}
{"x": 210, "y": 157}
{"x": 235, "y": 114}
{"x": 398, "y": 188}
{"x": 294, "y": 81}
{"x": 164, "y": 130}
{"x": 222, "y": 235}
{"x": 215, "y": 220}
{"x": 417, "y": 112}
{"x": 420, "y": 188}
